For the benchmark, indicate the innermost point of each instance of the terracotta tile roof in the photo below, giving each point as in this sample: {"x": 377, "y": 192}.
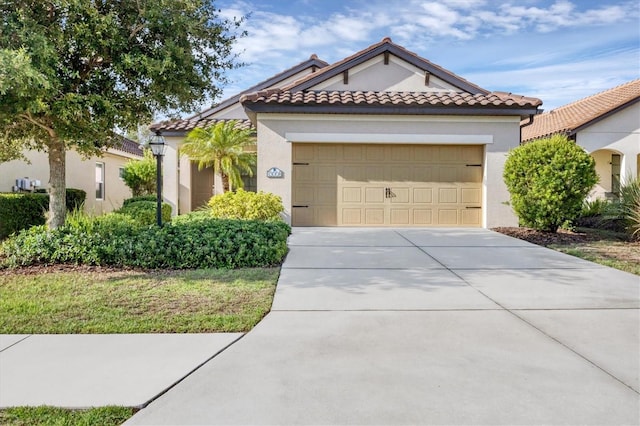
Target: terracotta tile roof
{"x": 128, "y": 146}
{"x": 285, "y": 97}
{"x": 190, "y": 124}
{"x": 376, "y": 49}
{"x": 569, "y": 118}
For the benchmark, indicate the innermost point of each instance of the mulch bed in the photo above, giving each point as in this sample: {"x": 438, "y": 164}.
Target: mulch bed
{"x": 549, "y": 238}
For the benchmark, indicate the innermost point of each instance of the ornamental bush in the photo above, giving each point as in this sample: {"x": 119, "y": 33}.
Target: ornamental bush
{"x": 140, "y": 175}
{"x": 22, "y": 210}
{"x": 117, "y": 240}
{"x": 548, "y": 180}
{"x": 246, "y": 205}
{"x": 144, "y": 212}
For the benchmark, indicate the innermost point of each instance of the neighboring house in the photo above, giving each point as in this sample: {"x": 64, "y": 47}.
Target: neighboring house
{"x": 607, "y": 125}
{"x": 100, "y": 177}
{"x": 381, "y": 138}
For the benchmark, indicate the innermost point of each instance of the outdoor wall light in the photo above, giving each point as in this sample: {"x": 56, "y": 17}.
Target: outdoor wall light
{"x": 158, "y": 148}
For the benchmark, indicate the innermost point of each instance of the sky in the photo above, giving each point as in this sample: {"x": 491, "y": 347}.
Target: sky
{"x": 556, "y": 50}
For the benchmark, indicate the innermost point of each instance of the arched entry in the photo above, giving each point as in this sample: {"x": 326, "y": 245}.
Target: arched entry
{"x": 609, "y": 169}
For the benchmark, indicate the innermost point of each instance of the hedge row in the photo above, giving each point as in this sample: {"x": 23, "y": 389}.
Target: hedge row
{"x": 117, "y": 240}
{"x": 24, "y": 210}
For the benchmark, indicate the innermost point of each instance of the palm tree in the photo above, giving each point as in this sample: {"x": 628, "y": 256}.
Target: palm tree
{"x": 221, "y": 145}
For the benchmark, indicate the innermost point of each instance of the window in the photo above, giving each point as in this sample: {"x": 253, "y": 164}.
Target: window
{"x": 121, "y": 172}
{"x": 99, "y": 181}
{"x": 250, "y": 182}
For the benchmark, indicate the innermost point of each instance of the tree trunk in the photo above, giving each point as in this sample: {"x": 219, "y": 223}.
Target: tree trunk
{"x": 57, "y": 183}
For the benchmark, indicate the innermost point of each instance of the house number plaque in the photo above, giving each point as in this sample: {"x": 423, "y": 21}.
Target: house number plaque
{"x": 275, "y": 173}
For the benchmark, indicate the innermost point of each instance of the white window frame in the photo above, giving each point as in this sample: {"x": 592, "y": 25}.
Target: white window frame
{"x": 100, "y": 187}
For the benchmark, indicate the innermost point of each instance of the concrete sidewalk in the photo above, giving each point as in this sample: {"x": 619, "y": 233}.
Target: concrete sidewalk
{"x": 89, "y": 370}
{"x": 424, "y": 326}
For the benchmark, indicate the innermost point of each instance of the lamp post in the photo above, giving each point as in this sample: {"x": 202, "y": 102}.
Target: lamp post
{"x": 158, "y": 148}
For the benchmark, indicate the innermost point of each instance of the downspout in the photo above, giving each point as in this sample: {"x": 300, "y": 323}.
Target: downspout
{"x": 529, "y": 123}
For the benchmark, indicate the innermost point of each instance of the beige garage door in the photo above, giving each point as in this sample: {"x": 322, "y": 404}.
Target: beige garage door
{"x": 387, "y": 185}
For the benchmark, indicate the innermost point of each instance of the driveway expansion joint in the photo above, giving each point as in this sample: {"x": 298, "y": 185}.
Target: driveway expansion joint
{"x": 15, "y": 343}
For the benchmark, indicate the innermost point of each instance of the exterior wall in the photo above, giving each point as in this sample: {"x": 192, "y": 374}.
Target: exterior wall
{"x": 274, "y": 150}
{"x": 176, "y": 178}
{"x": 80, "y": 174}
{"x": 620, "y": 133}
{"x": 398, "y": 76}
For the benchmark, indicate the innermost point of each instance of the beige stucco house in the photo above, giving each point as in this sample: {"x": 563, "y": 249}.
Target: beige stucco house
{"x": 99, "y": 177}
{"x": 607, "y": 125}
{"x": 381, "y": 138}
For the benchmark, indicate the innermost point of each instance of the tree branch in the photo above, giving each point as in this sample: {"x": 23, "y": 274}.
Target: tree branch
{"x": 27, "y": 116}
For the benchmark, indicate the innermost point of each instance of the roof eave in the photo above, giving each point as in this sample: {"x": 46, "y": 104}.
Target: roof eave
{"x": 254, "y": 108}
{"x": 603, "y": 116}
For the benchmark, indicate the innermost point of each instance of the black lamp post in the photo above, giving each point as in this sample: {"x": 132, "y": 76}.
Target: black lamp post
{"x": 158, "y": 148}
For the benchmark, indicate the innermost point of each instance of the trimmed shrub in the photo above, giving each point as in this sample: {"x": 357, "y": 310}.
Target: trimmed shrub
{"x": 139, "y": 198}
{"x": 140, "y": 175}
{"x": 548, "y": 181}
{"x": 246, "y": 205}
{"x": 144, "y": 212}
{"x": 117, "y": 240}
{"x": 629, "y": 206}
{"x": 75, "y": 199}
{"x": 21, "y": 211}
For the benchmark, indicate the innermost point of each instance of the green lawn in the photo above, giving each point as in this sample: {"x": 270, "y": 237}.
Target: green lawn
{"x": 98, "y": 301}
{"x": 51, "y": 416}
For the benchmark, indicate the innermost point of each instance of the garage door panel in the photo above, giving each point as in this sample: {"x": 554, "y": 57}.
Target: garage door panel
{"x": 422, "y": 195}
{"x": 447, "y": 195}
{"x": 400, "y": 195}
{"x": 400, "y": 174}
{"x": 353, "y": 153}
{"x": 326, "y": 173}
{"x": 422, "y": 216}
{"x": 374, "y": 153}
{"x": 351, "y": 194}
{"x": 374, "y": 216}
{"x": 374, "y": 195}
{"x": 471, "y": 217}
{"x": 400, "y": 216}
{"x": 304, "y": 153}
{"x": 471, "y": 196}
{"x": 447, "y": 216}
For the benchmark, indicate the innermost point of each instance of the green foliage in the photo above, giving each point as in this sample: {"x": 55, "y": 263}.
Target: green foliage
{"x": 75, "y": 199}
{"x": 222, "y": 146}
{"x": 71, "y": 71}
{"x": 246, "y": 205}
{"x": 20, "y": 211}
{"x": 116, "y": 239}
{"x": 593, "y": 208}
{"x": 144, "y": 212}
{"x": 140, "y": 175}
{"x": 139, "y": 198}
{"x": 23, "y": 210}
{"x": 548, "y": 181}
{"x": 629, "y": 205}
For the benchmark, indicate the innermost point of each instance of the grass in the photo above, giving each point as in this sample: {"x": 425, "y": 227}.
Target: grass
{"x": 50, "y": 416}
{"x": 98, "y": 301}
{"x": 608, "y": 250}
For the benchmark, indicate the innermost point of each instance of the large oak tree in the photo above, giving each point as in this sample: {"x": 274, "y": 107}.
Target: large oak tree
{"x": 73, "y": 71}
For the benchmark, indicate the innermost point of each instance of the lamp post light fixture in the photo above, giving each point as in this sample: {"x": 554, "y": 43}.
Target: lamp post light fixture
{"x": 158, "y": 148}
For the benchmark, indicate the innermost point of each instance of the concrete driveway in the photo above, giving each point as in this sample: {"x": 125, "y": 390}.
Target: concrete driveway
{"x": 424, "y": 326}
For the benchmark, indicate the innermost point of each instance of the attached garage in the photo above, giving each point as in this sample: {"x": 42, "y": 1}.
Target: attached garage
{"x": 386, "y": 185}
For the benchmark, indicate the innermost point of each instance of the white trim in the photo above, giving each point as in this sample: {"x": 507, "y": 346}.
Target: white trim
{"x": 265, "y": 116}
{"x": 387, "y": 138}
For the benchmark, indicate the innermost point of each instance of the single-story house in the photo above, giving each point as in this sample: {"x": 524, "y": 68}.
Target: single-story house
{"x": 607, "y": 125}
{"x": 99, "y": 176}
{"x": 383, "y": 137}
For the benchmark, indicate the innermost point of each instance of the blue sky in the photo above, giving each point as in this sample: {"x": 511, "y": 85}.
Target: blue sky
{"x": 556, "y": 50}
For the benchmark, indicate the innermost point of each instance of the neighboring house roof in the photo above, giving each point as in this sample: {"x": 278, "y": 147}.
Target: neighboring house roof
{"x": 128, "y": 146}
{"x": 573, "y": 117}
{"x": 200, "y": 119}
{"x": 190, "y": 124}
{"x": 386, "y": 45}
